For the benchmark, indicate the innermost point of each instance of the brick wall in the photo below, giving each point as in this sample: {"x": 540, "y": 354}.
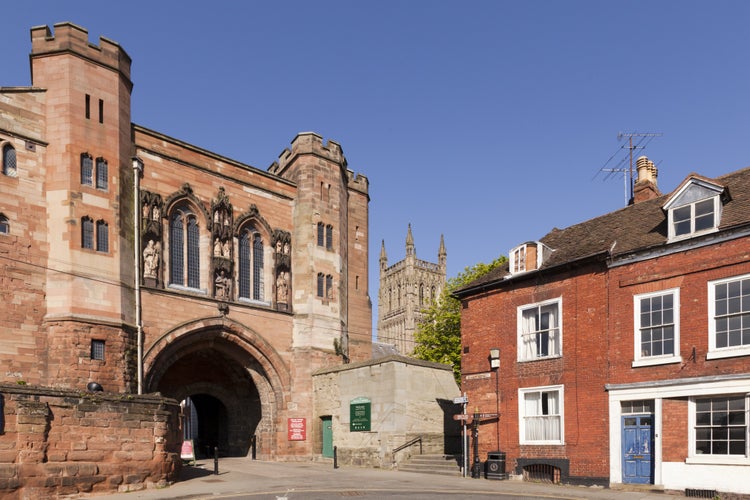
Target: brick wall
{"x": 56, "y": 442}
{"x": 490, "y": 320}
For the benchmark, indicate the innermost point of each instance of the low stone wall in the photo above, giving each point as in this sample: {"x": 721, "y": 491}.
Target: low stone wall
{"x": 57, "y": 443}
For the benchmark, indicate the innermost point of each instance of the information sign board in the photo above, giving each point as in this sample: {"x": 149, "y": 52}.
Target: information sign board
{"x": 359, "y": 414}
{"x": 296, "y": 429}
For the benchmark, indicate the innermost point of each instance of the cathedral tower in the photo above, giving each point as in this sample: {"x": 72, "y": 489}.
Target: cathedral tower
{"x": 406, "y": 289}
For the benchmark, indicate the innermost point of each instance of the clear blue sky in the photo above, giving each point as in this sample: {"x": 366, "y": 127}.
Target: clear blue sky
{"x": 485, "y": 121}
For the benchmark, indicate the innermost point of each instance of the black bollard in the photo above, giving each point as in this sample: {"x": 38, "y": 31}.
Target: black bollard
{"x": 216, "y": 460}
{"x": 252, "y": 444}
{"x": 335, "y": 458}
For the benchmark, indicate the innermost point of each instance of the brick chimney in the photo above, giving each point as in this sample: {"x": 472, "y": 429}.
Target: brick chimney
{"x": 645, "y": 187}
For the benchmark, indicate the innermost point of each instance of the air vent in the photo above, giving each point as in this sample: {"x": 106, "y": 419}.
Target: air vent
{"x": 690, "y": 493}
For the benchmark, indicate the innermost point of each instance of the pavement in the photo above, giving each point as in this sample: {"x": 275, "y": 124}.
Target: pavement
{"x": 253, "y": 479}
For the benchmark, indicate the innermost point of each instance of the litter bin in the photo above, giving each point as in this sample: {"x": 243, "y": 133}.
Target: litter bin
{"x": 495, "y": 465}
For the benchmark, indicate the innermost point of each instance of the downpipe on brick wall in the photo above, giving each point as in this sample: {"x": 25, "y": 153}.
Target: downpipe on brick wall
{"x": 137, "y": 171}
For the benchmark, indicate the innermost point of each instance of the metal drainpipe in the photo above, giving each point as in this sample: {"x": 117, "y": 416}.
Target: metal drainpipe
{"x": 137, "y": 171}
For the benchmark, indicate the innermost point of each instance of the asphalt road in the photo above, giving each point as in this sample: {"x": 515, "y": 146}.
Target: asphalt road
{"x": 240, "y": 478}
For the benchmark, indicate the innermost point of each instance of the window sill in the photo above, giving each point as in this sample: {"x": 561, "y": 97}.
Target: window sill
{"x": 545, "y": 358}
{"x": 183, "y": 288}
{"x": 717, "y": 460}
{"x": 253, "y": 302}
{"x": 729, "y": 352}
{"x": 655, "y": 361}
{"x": 683, "y": 237}
{"x": 541, "y": 443}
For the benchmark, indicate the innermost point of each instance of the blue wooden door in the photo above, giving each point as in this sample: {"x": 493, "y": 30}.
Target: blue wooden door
{"x": 637, "y": 449}
{"x": 327, "y": 436}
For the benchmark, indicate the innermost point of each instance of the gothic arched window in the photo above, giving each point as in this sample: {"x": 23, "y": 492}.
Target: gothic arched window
{"x": 184, "y": 248}
{"x": 251, "y": 264}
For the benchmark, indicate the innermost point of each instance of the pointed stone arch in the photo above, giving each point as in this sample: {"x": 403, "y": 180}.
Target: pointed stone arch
{"x": 238, "y": 353}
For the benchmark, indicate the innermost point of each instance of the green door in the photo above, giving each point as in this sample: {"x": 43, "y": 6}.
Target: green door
{"x": 327, "y": 436}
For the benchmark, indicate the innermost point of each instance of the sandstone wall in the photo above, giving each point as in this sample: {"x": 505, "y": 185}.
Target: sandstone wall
{"x": 56, "y": 443}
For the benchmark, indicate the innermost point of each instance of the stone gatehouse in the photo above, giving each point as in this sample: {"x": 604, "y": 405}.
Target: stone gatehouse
{"x": 146, "y": 264}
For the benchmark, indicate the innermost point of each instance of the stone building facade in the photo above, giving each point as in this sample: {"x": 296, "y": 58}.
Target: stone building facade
{"x": 146, "y": 264}
{"x": 406, "y": 288}
{"x": 408, "y": 399}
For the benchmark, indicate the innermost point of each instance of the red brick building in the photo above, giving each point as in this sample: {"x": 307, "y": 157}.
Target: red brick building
{"x": 145, "y": 264}
{"x": 624, "y": 343}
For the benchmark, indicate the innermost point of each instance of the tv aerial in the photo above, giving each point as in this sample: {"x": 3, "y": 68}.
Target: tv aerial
{"x": 623, "y": 163}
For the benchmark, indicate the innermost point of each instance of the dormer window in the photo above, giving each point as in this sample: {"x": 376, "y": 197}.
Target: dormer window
{"x": 695, "y": 209}
{"x": 693, "y": 218}
{"x": 528, "y": 257}
{"x": 518, "y": 259}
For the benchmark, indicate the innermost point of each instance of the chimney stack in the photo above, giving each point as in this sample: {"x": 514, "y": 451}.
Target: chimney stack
{"x": 645, "y": 187}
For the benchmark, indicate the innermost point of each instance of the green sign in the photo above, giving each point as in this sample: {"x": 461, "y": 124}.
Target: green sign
{"x": 359, "y": 415}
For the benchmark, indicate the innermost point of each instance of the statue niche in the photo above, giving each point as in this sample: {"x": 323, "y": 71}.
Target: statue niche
{"x": 282, "y": 255}
{"x": 222, "y": 245}
{"x": 151, "y": 237}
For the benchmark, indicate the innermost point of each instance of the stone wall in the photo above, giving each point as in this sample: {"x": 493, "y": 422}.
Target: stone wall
{"x": 410, "y": 398}
{"x": 58, "y": 442}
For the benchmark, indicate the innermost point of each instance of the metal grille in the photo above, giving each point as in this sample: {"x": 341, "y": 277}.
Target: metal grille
{"x": 542, "y": 473}
{"x": 87, "y": 170}
{"x": 87, "y": 233}
{"x": 329, "y": 237}
{"x": 320, "y": 284}
{"x": 244, "y": 249}
{"x": 257, "y": 267}
{"x": 176, "y": 251}
{"x": 690, "y": 493}
{"x": 102, "y": 236}
{"x": 321, "y": 237}
{"x": 97, "y": 349}
{"x": 193, "y": 253}
{"x": 102, "y": 173}
{"x": 9, "y": 160}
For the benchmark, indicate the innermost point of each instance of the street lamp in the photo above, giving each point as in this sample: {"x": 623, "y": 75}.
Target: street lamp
{"x": 495, "y": 366}
{"x": 495, "y": 358}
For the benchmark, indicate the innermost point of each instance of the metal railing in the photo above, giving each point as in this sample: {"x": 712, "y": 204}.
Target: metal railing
{"x": 414, "y": 441}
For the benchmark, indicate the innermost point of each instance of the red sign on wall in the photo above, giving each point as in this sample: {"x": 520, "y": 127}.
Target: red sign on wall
{"x": 297, "y": 429}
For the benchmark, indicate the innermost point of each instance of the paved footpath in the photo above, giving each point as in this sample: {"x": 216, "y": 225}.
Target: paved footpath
{"x": 240, "y": 478}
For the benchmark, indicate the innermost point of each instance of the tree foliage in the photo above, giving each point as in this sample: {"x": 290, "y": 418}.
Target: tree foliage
{"x": 438, "y": 334}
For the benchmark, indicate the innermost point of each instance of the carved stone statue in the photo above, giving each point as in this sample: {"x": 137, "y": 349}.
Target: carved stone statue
{"x": 223, "y": 285}
{"x": 282, "y": 286}
{"x": 151, "y": 259}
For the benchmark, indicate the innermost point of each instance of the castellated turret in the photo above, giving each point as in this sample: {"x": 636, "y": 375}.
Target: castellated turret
{"x": 407, "y": 288}
{"x": 330, "y": 218}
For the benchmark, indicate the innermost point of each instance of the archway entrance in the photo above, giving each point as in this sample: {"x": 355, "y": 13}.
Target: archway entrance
{"x": 226, "y": 396}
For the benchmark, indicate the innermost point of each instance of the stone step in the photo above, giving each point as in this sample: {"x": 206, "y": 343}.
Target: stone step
{"x": 446, "y": 465}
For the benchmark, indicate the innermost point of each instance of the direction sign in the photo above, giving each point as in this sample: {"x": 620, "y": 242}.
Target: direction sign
{"x": 461, "y": 400}
{"x": 461, "y": 416}
{"x": 488, "y": 415}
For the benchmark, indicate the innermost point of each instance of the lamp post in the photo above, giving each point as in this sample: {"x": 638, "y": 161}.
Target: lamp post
{"x": 495, "y": 366}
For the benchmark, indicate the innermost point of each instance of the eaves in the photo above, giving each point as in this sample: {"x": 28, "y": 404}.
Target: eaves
{"x": 497, "y": 284}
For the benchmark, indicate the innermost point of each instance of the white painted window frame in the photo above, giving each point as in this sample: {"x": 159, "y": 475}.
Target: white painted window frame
{"x": 638, "y": 358}
{"x": 522, "y": 392}
{"x": 724, "y": 352}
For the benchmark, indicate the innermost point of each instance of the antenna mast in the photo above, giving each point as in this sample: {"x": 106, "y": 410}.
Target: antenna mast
{"x": 641, "y": 141}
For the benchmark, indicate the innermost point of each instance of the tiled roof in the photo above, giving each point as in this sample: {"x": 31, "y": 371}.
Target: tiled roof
{"x": 636, "y": 227}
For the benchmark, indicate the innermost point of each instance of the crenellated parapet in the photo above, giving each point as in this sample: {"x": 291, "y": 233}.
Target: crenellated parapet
{"x": 308, "y": 143}
{"x": 73, "y": 39}
{"x": 357, "y": 182}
